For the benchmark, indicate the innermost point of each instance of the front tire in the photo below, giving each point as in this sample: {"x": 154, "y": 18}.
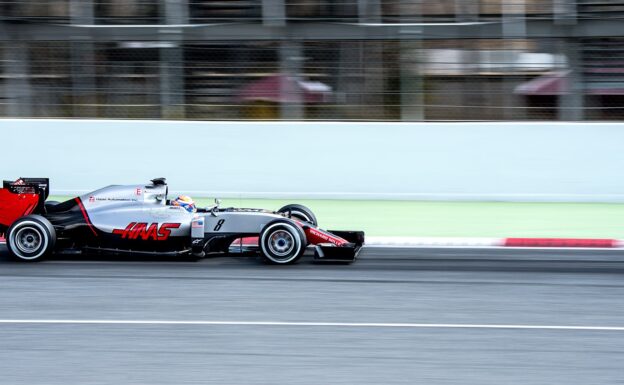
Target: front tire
{"x": 300, "y": 212}
{"x": 282, "y": 242}
{"x": 31, "y": 238}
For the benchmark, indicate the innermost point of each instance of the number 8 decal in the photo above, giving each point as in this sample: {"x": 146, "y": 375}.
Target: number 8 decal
{"x": 219, "y": 224}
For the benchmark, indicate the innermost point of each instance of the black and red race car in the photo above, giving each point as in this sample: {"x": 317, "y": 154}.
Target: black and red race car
{"x": 139, "y": 219}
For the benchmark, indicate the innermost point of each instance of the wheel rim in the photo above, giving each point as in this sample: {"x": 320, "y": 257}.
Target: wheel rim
{"x": 28, "y": 240}
{"x": 281, "y": 243}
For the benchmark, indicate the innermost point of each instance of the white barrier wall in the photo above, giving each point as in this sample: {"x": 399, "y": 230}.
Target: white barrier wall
{"x": 461, "y": 161}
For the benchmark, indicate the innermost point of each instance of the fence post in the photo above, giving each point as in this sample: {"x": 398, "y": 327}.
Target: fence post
{"x": 514, "y": 28}
{"x": 18, "y": 91}
{"x": 572, "y": 101}
{"x": 172, "y": 61}
{"x": 273, "y": 13}
{"x": 291, "y": 56}
{"x": 369, "y": 11}
{"x": 82, "y": 56}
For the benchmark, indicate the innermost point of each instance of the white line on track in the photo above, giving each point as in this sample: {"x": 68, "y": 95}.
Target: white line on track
{"x": 313, "y": 324}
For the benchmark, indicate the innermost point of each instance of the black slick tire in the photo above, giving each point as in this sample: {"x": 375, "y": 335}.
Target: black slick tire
{"x": 282, "y": 242}
{"x": 300, "y": 212}
{"x": 30, "y": 239}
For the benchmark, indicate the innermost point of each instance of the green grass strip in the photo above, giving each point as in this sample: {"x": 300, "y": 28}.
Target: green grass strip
{"x": 456, "y": 219}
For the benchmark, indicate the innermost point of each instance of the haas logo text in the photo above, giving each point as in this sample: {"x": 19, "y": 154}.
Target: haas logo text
{"x": 142, "y": 231}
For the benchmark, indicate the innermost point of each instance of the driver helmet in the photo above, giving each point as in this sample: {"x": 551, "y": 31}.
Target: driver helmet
{"x": 186, "y": 202}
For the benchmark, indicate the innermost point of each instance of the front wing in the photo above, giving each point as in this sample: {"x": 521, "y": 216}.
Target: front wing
{"x": 348, "y": 252}
{"x": 323, "y": 252}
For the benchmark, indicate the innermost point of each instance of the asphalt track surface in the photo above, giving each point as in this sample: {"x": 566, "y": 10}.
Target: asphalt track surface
{"x": 393, "y": 317}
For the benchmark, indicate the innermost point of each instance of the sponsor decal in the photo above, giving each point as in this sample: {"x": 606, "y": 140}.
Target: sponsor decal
{"x": 318, "y": 236}
{"x": 145, "y": 231}
{"x": 91, "y": 199}
{"x": 138, "y": 191}
{"x": 113, "y": 199}
{"x": 22, "y": 189}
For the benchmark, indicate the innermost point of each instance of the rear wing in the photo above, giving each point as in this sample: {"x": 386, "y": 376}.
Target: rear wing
{"x": 39, "y": 186}
{"x": 22, "y": 197}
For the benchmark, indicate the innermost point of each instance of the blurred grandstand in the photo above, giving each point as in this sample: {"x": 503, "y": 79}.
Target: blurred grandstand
{"x": 390, "y": 60}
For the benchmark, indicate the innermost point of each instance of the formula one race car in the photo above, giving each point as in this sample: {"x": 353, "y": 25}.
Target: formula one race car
{"x": 140, "y": 220}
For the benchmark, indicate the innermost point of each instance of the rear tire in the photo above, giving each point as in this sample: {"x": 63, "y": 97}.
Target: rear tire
{"x": 282, "y": 242}
{"x": 300, "y": 212}
{"x": 31, "y": 238}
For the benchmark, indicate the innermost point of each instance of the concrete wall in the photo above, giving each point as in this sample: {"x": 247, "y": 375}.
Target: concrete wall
{"x": 459, "y": 161}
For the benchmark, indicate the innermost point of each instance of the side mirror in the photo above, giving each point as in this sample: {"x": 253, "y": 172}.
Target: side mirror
{"x": 215, "y": 209}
